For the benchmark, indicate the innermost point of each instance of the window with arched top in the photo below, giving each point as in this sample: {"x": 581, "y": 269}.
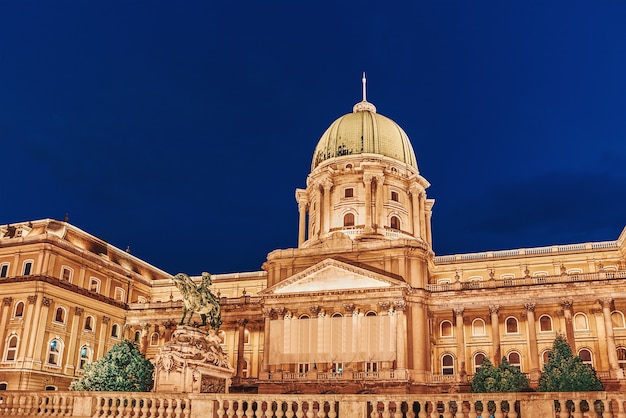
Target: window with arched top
{"x": 27, "y": 268}
{"x": 445, "y": 329}
{"x": 55, "y": 348}
{"x": 3, "y": 385}
{"x": 545, "y": 357}
{"x": 59, "y": 315}
{"x": 371, "y": 313}
{"x": 394, "y": 222}
{"x": 10, "y": 353}
{"x": 119, "y": 294}
{"x": 89, "y": 323}
{"x": 545, "y": 323}
{"x": 348, "y": 219}
{"x": 94, "y": 285}
{"x": 478, "y": 361}
{"x": 137, "y": 336}
{"x": 337, "y": 315}
{"x": 4, "y": 270}
{"x": 512, "y": 325}
{"x": 246, "y": 337}
{"x": 585, "y": 356}
{"x": 478, "y": 327}
{"x": 621, "y": 357}
{"x": 617, "y": 319}
{"x": 581, "y": 322}
{"x": 85, "y": 356}
{"x": 50, "y": 388}
{"x": 447, "y": 364}
{"x": 19, "y": 310}
{"x": 67, "y": 273}
{"x": 141, "y": 299}
{"x": 515, "y": 359}
{"x": 154, "y": 339}
{"x": 304, "y": 316}
{"x": 115, "y": 331}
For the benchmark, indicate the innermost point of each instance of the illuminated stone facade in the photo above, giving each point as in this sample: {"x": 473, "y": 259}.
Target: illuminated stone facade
{"x": 361, "y": 305}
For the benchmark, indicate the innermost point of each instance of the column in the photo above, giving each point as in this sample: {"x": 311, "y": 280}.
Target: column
{"x": 240, "y": 346}
{"x": 40, "y": 325}
{"x": 422, "y": 216}
{"x": 379, "y": 202}
{"x": 104, "y": 333}
{"x": 429, "y": 234}
{"x": 535, "y": 371}
{"x": 32, "y": 317}
{"x": 326, "y": 207}
{"x": 367, "y": 180}
{"x": 6, "y": 314}
{"x": 460, "y": 343}
{"x": 569, "y": 324}
{"x": 267, "y": 316}
{"x": 302, "y": 208}
{"x": 71, "y": 344}
{"x": 415, "y": 211}
{"x": 401, "y": 331}
{"x": 610, "y": 337}
{"x": 495, "y": 331}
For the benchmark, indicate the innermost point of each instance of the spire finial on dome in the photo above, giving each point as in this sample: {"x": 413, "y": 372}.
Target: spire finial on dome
{"x": 364, "y": 105}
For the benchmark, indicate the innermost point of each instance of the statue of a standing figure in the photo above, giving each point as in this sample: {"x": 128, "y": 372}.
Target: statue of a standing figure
{"x": 198, "y": 299}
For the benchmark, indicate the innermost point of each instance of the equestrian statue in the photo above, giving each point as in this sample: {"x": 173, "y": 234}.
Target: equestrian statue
{"x": 198, "y": 299}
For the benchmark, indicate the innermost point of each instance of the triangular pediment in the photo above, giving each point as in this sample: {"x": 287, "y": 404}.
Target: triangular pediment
{"x": 332, "y": 275}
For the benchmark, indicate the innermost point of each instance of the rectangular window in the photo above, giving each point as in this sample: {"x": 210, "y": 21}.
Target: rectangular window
{"x": 28, "y": 266}
{"x": 394, "y": 196}
{"x": 4, "y": 270}
{"x": 66, "y": 274}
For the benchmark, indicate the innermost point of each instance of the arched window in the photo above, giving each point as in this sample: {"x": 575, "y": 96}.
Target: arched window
{"x": 89, "y": 323}
{"x": 59, "y": 315}
{"x": 371, "y": 313}
{"x": 545, "y": 357}
{"x": 3, "y": 386}
{"x": 246, "y": 337}
{"x": 19, "y": 310}
{"x": 478, "y": 361}
{"x": 119, "y": 294}
{"x": 348, "y": 192}
{"x": 337, "y": 315}
{"x": 27, "y": 269}
{"x": 154, "y": 339}
{"x": 585, "y": 356}
{"x": 348, "y": 219}
{"x": 244, "y": 367}
{"x": 141, "y": 299}
{"x": 304, "y": 316}
{"x": 447, "y": 364}
{"x": 11, "y": 350}
{"x": 67, "y": 273}
{"x": 50, "y": 388}
{"x": 85, "y": 356}
{"x": 511, "y": 325}
{"x": 515, "y": 360}
{"x": 617, "y": 318}
{"x": 94, "y": 285}
{"x": 55, "y": 349}
{"x": 115, "y": 331}
{"x": 621, "y": 357}
{"x": 478, "y": 327}
{"x": 445, "y": 329}
{"x": 580, "y": 322}
{"x": 137, "y": 336}
{"x": 545, "y": 323}
{"x": 395, "y": 223}
{"x": 4, "y": 270}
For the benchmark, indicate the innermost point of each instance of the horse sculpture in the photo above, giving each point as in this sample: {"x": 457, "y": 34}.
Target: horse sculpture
{"x": 198, "y": 299}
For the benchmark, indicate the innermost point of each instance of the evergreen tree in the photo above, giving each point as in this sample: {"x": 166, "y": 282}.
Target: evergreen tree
{"x": 504, "y": 378}
{"x": 565, "y": 372}
{"x": 122, "y": 369}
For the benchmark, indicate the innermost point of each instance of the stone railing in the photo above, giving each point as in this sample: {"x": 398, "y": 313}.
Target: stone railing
{"x": 527, "y": 281}
{"x": 176, "y": 405}
{"x": 346, "y": 375}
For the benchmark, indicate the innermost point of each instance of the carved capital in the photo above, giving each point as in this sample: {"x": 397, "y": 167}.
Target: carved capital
{"x": 606, "y": 302}
{"x": 494, "y": 309}
{"x": 596, "y": 311}
{"x": 106, "y": 319}
{"x": 46, "y": 302}
{"x": 459, "y": 311}
{"x": 314, "y": 310}
{"x": 530, "y": 306}
{"x": 267, "y": 312}
{"x": 7, "y": 301}
{"x": 566, "y": 304}
{"x": 367, "y": 178}
{"x": 78, "y": 311}
{"x": 169, "y": 324}
{"x": 32, "y": 299}
{"x": 348, "y": 307}
{"x": 242, "y": 322}
{"x": 278, "y": 312}
{"x": 384, "y": 306}
{"x": 327, "y": 184}
{"x": 399, "y": 305}
{"x": 524, "y": 314}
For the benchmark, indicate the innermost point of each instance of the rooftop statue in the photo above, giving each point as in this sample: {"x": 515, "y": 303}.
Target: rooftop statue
{"x": 198, "y": 299}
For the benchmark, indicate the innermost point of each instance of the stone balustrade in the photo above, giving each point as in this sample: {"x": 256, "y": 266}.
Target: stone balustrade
{"x": 177, "y": 405}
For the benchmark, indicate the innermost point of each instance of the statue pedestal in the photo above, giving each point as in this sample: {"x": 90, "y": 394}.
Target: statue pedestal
{"x": 192, "y": 362}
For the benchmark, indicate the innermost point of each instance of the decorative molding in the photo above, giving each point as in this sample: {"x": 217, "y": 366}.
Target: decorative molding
{"x": 567, "y": 304}
{"x": 384, "y": 305}
{"x": 348, "y": 307}
{"x": 267, "y": 312}
{"x": 606, "y": 302}
{"x": 530, "y": 306}
{"x": 106, "y": 319}
{"x": 46, "y": 302}
{"x": 399, "y": 305}
{"x": 7, "y": 301}
{"x": 314, "y": 310}
{"x": 458, "y": 311}
{"x": 78, "y": 311}
{"x": 494, "y": 309}
{"x": 242, "y": 322}
{"x": 32, "y": 299}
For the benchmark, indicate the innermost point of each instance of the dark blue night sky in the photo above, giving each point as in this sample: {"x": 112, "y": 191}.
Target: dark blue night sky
{"x": 181, "y": 129}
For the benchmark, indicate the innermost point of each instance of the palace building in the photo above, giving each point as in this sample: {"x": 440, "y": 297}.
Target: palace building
{"x": 362, "y": 305}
